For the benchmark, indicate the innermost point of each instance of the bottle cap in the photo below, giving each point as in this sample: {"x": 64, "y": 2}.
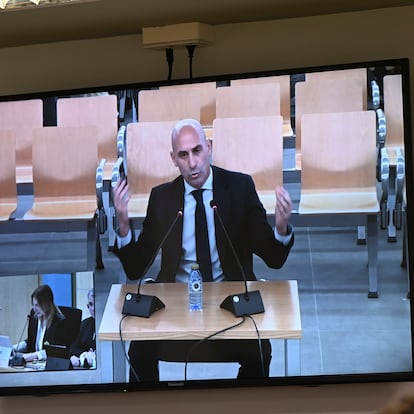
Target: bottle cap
{"x": 195, "y": 266}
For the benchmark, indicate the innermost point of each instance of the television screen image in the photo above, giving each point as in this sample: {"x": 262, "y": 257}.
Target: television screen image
{"x": 85, "y": 311}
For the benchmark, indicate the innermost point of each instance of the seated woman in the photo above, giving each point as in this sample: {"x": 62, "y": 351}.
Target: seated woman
{"x": 83, "y": 349}
{"x": 46, "y": 326}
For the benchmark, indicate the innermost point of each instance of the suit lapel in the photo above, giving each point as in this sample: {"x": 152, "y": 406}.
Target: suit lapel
{"x": 222, "y": 200}
{"x": 177, "y": 203}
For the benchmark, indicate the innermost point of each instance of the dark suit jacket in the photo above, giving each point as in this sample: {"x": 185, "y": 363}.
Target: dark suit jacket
{"x": 56, "y": 334}
{"x": 86, "y": 338}
{"x": 243, "y": 216}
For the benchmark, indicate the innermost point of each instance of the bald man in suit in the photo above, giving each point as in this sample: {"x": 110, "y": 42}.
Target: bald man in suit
{"x": 246, "y": 223}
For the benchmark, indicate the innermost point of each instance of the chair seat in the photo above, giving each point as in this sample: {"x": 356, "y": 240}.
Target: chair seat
{"x": 392, "y": 154}
{"x": 268, "y": 200}
{"x": 24, "y": 174}
{"x": 287, "y": 129}
{"x": 74, "y": 208}
{"x": 298, "y": 161}
{"x": 137, "y": 206}
{"x": 107, "y": 171}
{"x": 7, "y": 207}
{"x": 338, "y": 202}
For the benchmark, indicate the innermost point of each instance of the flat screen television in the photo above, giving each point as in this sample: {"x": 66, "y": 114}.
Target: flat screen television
{"x": 353, "y": 315}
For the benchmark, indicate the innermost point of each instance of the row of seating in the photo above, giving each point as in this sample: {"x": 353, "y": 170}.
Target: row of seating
{"x": 336, "y": 180}
{"x": 65, "y": 173}
{"x": 262, "y": 96}
{"x": 255, "y": 145}
{"x": 203, "y": 101}
{"x": 24, "y": 116}
{"x": 101, "y": 111}
{"x": 66, "y": 164}
{"x": 67, "y": 186}
{"x": 86, "y": 110}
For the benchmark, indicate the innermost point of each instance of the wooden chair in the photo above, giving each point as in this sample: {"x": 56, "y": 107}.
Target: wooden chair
{"x": 248, "y": 100}
{"x": 393, "y": 110}
{"x": 253, "y": 145}
{"x": 148, "y": 161}
{"x": 22, "y": 117}
{"x": 358, "y": 75}
{"x": 207, "y": 91}
{"x": 338, "y": 178}
{"x": 285, "y": 96}
{"x": 8, "y": 189}
{"x": 324, "y": 96}
{"x": 65, "y": 160}
{"x": 100, "y": 111}
{"x": 65, "y": 173}
{"x": 169, "y": 104}
{"x": 147, "y": 164}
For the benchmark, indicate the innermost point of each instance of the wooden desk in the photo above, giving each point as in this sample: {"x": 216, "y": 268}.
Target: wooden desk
{"x": 30, "y": 367}
{"x": 281, "y": 319}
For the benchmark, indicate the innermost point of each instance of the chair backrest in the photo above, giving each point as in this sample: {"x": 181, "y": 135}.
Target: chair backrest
{"x": 169, "y": 104}
{"x": 248, "y": 100}
{"x": 72, "y": 324}
{"x": 100, "y": 111}
{"x": 325, "y": 96}
{"x": 393, "y": 109}
{"x": 8, "y": 189}
{"x": 339, "y": 151}
{"x": 358, "y": 75}
{"x": 148, "y": 155}
{"x": 207, "y": 91}
{"x": 253, "y": 145}
{"x": 285, "y": 96}
{"x": 22, "y": 117}
{"x": 65, "y": 160}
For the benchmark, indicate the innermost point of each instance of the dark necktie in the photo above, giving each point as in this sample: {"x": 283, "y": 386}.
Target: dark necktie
{"x": 202, "y": 244}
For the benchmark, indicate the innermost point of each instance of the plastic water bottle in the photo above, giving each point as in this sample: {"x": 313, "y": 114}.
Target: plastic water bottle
{"x": 195, "y": 289}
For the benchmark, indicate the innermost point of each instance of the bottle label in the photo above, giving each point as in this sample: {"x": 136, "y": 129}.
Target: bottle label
{"x": 195, "y": 286}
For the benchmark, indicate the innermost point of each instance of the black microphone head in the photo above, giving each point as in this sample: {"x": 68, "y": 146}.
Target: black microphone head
{"x": 246, "y": 304}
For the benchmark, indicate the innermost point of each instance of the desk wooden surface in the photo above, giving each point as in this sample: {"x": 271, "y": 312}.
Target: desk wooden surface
{"x": 281, "y": 318}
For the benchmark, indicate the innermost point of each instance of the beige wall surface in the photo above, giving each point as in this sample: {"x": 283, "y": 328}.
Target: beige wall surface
{"x": 238, "y": 48}
{"x": 332, "y": 39}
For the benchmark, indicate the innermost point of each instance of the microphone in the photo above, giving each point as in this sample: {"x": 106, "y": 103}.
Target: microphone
{"x": 136, "y": 304}
{"x": 17, "y": 357}
{"x": 247, "y": 303}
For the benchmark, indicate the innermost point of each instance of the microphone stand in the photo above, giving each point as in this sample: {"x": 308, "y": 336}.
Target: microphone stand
{"x": 17, "y": 357}
{"x": 136, "y": 304}
{"x": 239, "y": 304}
